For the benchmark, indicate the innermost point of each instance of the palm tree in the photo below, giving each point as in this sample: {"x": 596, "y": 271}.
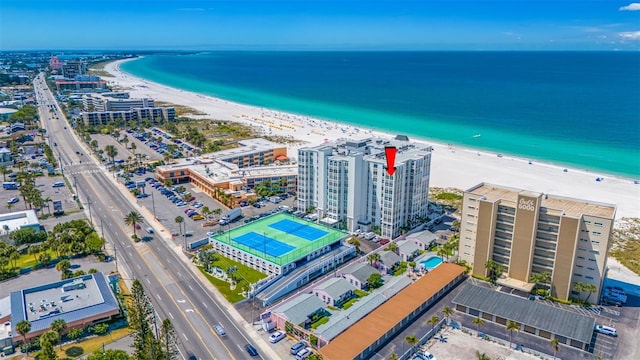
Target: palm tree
{"x": 133, "y": 218}
{"x": 206, "y": 212}
{"x": 63, "y": 265}
{"x": 393, "y": 247}
{"x": 111, "y": 152}
{"x": 511, "y": 327}
{"x": 482, "y": 356}
{"x": 541, "y": 278}
{"x": 9, "y": 206}
{"x": 179, "y": 220}
{"x": 478, "y": 322}
{"x": 373, "y": 258}
{"x": 555, "y": 346}
{"x": 447, "y": 312}
{"x": 23, "y": 327}
{"x": 590, "y": 288}
{"x": 433, "y": 321}
{"x": 494, "y": 270}
{"x": 5, "y": 171}
{"x": 393, "y": 356}
{"x": 126, "y": 142}
{"x": 217, "y": 212}
{"x": 94, "y": 145}
{"x": 412, "y": 340}
{"x": 59, "y": 326}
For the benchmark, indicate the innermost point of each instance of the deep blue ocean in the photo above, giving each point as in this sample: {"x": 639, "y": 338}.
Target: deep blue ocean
{"x": 579, "y": 109}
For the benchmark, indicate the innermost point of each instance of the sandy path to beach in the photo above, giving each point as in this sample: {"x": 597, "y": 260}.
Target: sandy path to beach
{"x": 451, "y": 166}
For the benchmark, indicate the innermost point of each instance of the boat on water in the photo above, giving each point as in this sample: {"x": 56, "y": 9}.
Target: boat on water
{"x": 476, "y": 135}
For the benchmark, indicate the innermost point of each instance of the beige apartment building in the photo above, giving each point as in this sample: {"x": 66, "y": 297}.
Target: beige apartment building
{"x": 530, "y": 233}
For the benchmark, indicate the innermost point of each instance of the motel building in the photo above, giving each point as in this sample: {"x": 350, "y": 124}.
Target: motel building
{"x": 235, "y": 171}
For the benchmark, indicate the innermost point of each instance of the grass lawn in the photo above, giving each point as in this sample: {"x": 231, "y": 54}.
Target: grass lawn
{"x": 349, "y": 303}
{"x": 27, "y": 260}
{"x": 224, "y": 288}
{"x": 322, "y": 320}
{"x": 244, "y": 272}
{"x": 361, "y": 293}
{"x": 94, "y": 343}
{"x": 400, "y": 269}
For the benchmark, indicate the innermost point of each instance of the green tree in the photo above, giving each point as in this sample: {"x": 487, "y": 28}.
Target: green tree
{"x": 356, "y": 243}
{"x": 23, "y": 327}
{"x": 47, "y": 341}
{"x": 393, "y": 356}
{"x": 111, "y": 152}
{"x": 494, "y": 270}
{"x": 375, "y": 280}
{"x": 34, "y": 250}
{"x": 447, "y": 312}
{"x": 555, "y": 346}
{"x": 478, "y": 322}
{"x": 433, "y": 321}
{"x": 482, "y": 356}
{"x": 63, "y": 265}
{"x": 5, "y": 171}
{"x": 75, "y": 333}
{"x": 109, "y": 354}
{"x": 59, "y": 326}
{"x": 393, "y": 247}
{"x": 94, "y": 243}
{"x": 412, "y": 340}
{"x": 168, "y": 340}
{"x": 373, "y": 258}
{"x": 139, "y": 312}
{"x": 541, "y": 279}
{"x": 511, "y": 327}
{"x": 179, "y": 220}
{"x": 133, "y": 218}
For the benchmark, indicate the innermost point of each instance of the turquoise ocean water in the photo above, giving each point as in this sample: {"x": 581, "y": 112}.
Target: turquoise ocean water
{"x": 579, "y": 109}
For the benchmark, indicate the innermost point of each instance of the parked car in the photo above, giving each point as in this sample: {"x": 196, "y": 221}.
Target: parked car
{"x": 13, "y": 200}
{"x": 198, "y": 205}
{"x": 297, "y": 347}
{"x": 197, "y": 217}
{"x": 607, "y": 330}
{"x": 243, "y": 203}
{"x": 303, "y": 354}
{"x": 276, "y": 336}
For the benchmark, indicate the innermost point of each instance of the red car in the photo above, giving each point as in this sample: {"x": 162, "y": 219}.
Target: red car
{"x": 384, "y": 241}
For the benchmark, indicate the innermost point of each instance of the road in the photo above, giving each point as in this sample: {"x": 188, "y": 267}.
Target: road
{"x": 175, "y": 291}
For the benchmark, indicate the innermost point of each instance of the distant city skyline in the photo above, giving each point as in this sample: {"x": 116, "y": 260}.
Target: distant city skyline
{"x": 320, "y": 25}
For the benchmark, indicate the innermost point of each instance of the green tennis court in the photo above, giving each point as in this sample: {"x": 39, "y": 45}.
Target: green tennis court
{"x": 280, "y": 238}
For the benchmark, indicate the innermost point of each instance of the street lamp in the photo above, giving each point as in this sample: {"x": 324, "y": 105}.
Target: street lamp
{"x": 153, "y": 202}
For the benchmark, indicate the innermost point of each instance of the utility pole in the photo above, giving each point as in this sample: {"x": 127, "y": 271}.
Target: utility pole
{"x": 90, "y": 215}
{"x": 153, "y": 202}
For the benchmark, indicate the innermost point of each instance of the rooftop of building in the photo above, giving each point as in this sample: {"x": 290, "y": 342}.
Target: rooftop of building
{"x": 298, "y": 309}
{"x": 72, "y": 300}
{"x": 360, "y": 271}
{"x": 16, "y": 220}
{"x": 535, "y": 314}
{"x": 340, "y": 320}
{"x": 334, "y": 287}
{"x": 373, "y": 148}
{"x": 367, "y": 331}
{"x": 562, "y": 205}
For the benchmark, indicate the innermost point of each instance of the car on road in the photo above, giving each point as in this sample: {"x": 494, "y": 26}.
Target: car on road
{"x": 13, "y": 200}
{"x": 149, "y": 230}
{"x": 607, "y": 330}
{"x": 219, "y": 330}
{"x": 251, "y": 350}
{"x": 276, "y": 336}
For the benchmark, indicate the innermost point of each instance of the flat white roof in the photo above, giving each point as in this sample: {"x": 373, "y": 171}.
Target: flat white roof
{"x": 17, "y": 220}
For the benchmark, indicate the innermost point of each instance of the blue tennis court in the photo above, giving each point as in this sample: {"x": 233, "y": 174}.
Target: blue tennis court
{"x": 300, "y": 230}
{"x": 263, "y": 243}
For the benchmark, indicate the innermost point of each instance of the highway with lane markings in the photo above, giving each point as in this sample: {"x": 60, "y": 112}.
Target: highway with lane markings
{"x": 174, "y": 287}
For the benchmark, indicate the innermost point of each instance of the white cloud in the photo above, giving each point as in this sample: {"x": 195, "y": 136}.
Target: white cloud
{"x": 630, "y": 35}
{"x": 631, "y": 7}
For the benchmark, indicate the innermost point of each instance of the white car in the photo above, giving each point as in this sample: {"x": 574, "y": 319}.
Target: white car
{"x": 607, "y": 330}
{"x": 303, "y": 354}
{"x": 276, "y": 336}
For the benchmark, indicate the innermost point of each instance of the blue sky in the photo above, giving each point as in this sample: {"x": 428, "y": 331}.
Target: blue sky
{"x": 320, "y": 24}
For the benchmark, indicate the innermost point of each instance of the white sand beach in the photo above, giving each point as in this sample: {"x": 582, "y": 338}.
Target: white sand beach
{"x": 451, "y": 166}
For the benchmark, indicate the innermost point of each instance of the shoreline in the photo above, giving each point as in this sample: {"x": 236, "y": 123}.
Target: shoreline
{"x": 451, "y": 165}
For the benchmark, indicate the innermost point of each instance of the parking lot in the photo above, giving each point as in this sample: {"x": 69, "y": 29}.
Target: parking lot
{"x": 166, "y": 211}
{"x": 45, "y": 185}
{"x": 104, "y": 140}
{"x": 141, "y": 147}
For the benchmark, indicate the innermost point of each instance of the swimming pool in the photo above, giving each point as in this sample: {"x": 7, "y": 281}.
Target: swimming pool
{"x": 431, "y": 263}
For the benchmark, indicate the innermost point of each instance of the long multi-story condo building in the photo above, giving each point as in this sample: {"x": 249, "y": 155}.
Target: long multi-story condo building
{"x": 346, "y": 183}
{"x": 154, "y": 114}
{"x": 114, "y": 102}
{"x": 531, "y": 233}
